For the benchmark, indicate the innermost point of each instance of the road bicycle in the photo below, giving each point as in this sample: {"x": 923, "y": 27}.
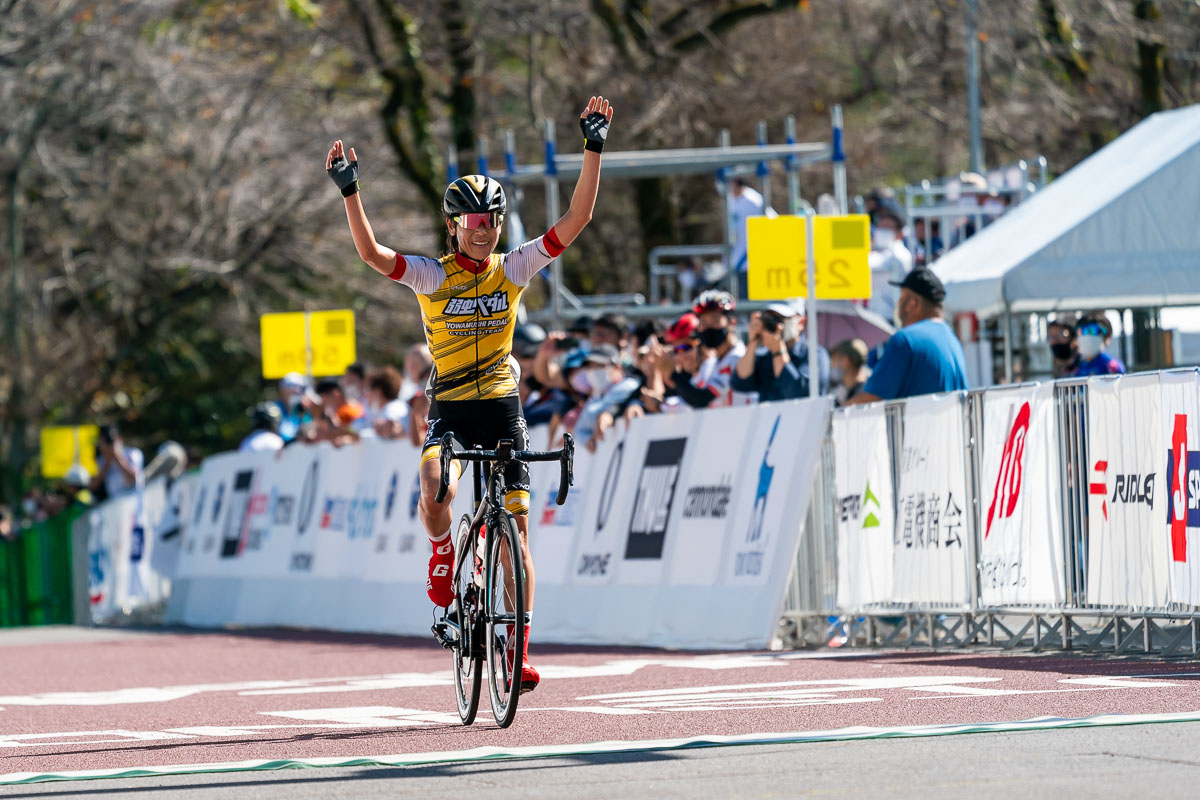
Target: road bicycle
{"x": 487, "y": 620}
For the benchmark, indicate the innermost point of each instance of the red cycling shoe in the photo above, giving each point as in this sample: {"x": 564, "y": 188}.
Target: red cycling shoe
{"x": 440, "y": 585}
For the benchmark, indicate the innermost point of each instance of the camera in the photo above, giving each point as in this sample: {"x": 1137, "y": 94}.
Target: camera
{"x": 770, "y": 323}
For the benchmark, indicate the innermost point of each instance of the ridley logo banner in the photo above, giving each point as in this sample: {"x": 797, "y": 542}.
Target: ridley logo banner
{"x": 655, "y": 495}
{"x": 1008, "y": 479}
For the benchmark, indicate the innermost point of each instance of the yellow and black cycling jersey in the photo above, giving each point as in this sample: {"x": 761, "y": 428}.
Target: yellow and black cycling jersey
{"x": 469, "y": 312}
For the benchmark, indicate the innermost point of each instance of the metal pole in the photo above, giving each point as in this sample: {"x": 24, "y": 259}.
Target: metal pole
{"x": 481, "y": 161}
{"x": 793, "y": 170}
{"x": 308, "y": 354}
{"x": 552, "y": 217}
{"x": 510, "y": 153}
{"x": 810, "y": 307}
{"x": 764, "y": 171}
{"x": 722, "y": 175}
{"x": 976, "y": 144}
{"x": 451, "y": 164}
{"x": 838, "y": 157}
{"x": 1008, "y": 345}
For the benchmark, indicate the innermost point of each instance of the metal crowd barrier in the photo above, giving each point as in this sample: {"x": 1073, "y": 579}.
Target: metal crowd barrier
{"x": 812, "y": 617}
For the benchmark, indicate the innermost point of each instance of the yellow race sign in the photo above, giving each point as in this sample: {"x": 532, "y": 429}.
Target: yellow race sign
{"x": 65, "y": 446}
{"x": 312, "y": 343}
{"x": 776, "y": 249}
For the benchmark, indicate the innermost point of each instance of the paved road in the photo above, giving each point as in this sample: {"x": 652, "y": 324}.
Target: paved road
{"x": 74, "y": 700}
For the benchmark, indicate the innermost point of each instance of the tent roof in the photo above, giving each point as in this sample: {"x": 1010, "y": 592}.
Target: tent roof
{"x": 1121, "y": 229}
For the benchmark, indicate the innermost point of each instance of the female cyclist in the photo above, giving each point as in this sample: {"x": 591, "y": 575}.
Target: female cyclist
{"x": 469, "y": 299}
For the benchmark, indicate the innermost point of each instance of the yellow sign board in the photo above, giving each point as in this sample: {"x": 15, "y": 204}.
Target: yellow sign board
{"x": 65, "y": 446}
{"x": 776, "y": 249}
{"x": 316, "y": 343}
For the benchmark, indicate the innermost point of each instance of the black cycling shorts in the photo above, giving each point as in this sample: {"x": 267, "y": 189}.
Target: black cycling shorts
{"x": 481, "y": 424}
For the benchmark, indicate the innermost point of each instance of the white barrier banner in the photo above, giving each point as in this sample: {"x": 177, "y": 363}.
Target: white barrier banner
{"x": 317, "y": 536}
{"x": 782, "y": 451}
{"x": 863, "y": 481}
{"x": 1127, "y": 556}
{"x": 1181, "y": 438}
{"x": 121, "y": 544}
{"x": 932, "y": 541}
{"x": 704, "y": 508}
{"x": 1021, "y": 558}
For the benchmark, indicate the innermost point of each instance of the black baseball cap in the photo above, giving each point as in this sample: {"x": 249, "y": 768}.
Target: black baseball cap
{"x": 923, "y": 283}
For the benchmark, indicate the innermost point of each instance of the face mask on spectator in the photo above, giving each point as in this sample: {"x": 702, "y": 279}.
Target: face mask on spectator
{"x": 882, "y": 238}
{"x": 579, "y": 382}
{"x": 599, "y": 380}
{"x": 836, "y": 374}
{"x": 713, "y": 337}
{"x": 1090, "y": 345}
{"x": 1062, "y": 350}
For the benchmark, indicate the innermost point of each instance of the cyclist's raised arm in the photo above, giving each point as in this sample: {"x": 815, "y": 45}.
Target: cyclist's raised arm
{"x": 594, "y": 121}
{"x": 345, "y": 174}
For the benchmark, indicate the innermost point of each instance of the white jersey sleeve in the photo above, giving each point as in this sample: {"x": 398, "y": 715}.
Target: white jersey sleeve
{"x": 422, "y": 275}
{"x": 521, "y": 264}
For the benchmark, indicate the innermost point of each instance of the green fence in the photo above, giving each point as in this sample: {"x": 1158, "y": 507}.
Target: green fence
{"x": 35, "y": 574}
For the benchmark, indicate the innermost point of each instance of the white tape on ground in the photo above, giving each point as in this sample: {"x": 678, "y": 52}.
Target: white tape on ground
{"x": 604, "y": 748}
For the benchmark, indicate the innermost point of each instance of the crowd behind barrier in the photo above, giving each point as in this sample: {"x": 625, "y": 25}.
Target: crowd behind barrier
{"x": 1055, "y": 502}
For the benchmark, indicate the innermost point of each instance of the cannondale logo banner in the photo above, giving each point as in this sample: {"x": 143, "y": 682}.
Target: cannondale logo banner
{"x": 610, "y": 487}
{"x": 308, "y": 497}
{"x": 655, "y": 495}
{"x": 390, "y": 500}
{"x": 218, "y": 502}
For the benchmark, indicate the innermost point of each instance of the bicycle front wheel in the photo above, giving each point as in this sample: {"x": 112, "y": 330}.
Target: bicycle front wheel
{"x": 505, "y": 614}
{"x": 468, "y": 650}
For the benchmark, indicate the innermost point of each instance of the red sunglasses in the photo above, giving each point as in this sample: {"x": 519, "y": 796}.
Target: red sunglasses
{"x": 491, "y": 219}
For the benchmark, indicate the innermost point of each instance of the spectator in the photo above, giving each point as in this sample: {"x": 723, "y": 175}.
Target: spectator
{"x": 264, "y": 424}
{"x": 719, "y": 354}
{"x": 418, "y": 363}
{"x": 877, "y": 198}
{"x": 354, "y": 382}
{"x": 75, "y": 487}
{"x": 8, "y": 530}
{"x": 889, "y": 259}
{"x": 119, "y": 466}
{"x": 418, "y": 409}
{"x": 775, "y": 365}
{"x": 658, "y": 364}
{"x": 611, "y": 329}
{"x": 927, "y": 244}
{"x": 339, "y": 413}
{"x": 848, "y": 370}
{"x": 687, "y": 273}
{"x": 541, "y": 403}
{"x": 609, "y": 392}
{"x": 924, "y": 356}
{"x": 294, "y": 405}
{"x": 1094, "y": 332}
{"x": 388, "y": 414}
{"x": 744, "y": 203}
{"x": 1060, "y": 335}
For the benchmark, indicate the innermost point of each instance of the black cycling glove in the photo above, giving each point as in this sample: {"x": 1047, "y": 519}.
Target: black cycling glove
{"x": 595, "y": 131}
{"x": 345, "y": 174}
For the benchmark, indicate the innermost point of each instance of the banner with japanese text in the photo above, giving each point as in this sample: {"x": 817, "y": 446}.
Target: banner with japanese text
{"x": 1021, "y": 554}
{"x": 932, "y": 541}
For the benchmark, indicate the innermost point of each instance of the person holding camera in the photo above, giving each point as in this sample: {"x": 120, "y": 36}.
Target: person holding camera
{"x": 775, "y": 365}
{"x": 119, "y": 466}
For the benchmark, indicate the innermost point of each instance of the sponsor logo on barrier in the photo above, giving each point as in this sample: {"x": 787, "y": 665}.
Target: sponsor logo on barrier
{"x": 709, "y": 502}
{"x": 99, "y": 559}
{"x": 766, "y": 473}
{"x": 218, "y": 501}
{"x": 611, "y": 476}
{"x": 927, "y": 522}
{"x": 242, "y": 504}
{"x": 1008, "y": 480}
{"x": 200, "y": 501}
{"x": 308, "y": 497}
{"x": 1183, "y": 489}
{"x": 301, "y": 562}
{"x": 360, "y": 518}
{"x": 334, "y": 513}
{"x": 414, "y": 500}
{"x": 408, "y": 543}
{"x": 852, "y": 506}
{"x": 655, "y": 496}
{"x": 1127, "y": 488}
{"x": 595, "y": 564}
{"x": 283, "y": 508}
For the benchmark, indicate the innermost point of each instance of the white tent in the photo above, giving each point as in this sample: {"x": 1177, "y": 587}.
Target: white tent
{"x": 1120, "y": 230}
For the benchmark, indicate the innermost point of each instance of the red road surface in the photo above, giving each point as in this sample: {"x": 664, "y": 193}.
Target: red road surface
{"x": 179, "y": 698}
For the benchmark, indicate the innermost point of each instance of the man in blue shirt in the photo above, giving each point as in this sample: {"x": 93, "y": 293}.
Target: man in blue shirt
{"x": 924, "y": 357}
{"x": 1094, "y": 334}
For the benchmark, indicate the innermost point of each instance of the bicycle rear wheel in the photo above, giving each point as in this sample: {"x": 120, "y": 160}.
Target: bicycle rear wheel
{"x": 505, "y": 615}
{"x": 468, "y": 651}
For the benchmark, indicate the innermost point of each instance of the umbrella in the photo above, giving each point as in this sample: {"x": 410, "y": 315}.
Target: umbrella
{"x": 839, "y": 320}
